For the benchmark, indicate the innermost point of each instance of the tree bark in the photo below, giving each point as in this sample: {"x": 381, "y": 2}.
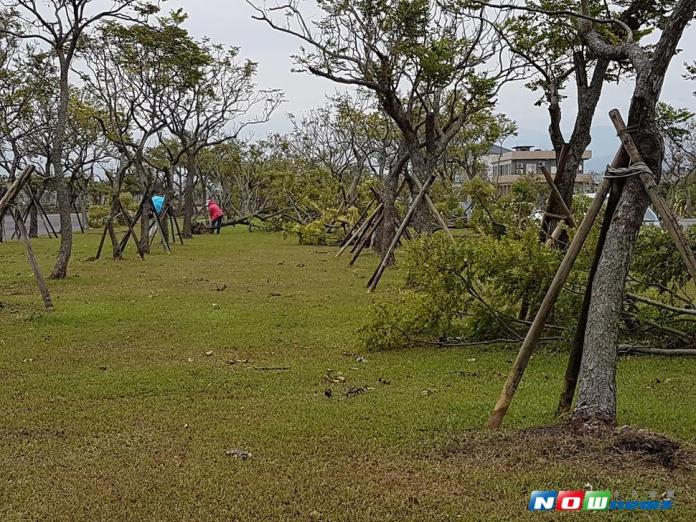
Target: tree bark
{"x": 384, "y": 234}
{"x": 189, "y": 189}
{"x": 597, "y": 391}
{"x": 575, "y": 359}
{"x": 145, "y": 223}
{"x": 60, "y": 270}
{"x": 569, "y": 156}
{"x": 596, "y": 403}
{"x": 423, "y": 221}
{"x": 115, "y": 243}
{"x": 33, "y": 220}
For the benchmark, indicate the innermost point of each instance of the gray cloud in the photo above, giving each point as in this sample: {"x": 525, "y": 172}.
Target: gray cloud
{"x": 229, "y": 22}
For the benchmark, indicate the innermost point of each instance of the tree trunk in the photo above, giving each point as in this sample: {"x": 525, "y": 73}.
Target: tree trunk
{"x": 596, "y": 404}
{"x": 189, "y": 195}
{"x": 569, "y": 156}
{"x": 575, "y": 359}
{"x": 34, "y": 220}
{"x": 115, "y": 208}
{"x": 384, "y": 235}
{"x": 60, "y": 270}
{"x": 597, "y": 391}
{"x": 145, "y": 223}
{"x": 84, "y": 209}
{"x": 423, "y": 221}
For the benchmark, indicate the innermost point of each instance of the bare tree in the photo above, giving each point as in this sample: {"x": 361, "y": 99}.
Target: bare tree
{"x": 220, "y": 103}
{"x": 430, "y": 68}
{"x": 131, "y": 75}
{"x": 60, "y": 26}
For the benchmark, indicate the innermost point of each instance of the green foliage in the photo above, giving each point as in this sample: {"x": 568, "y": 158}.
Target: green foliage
{"x": 511, "y": 213}
{"x": 97, "y": 215}
{"x": 128, "y": 201}
{"x": 460, "y": 289}
{"x": 657, "y": 260}
{"x": 478, "y": 287}
{"x": 328, "y": 229}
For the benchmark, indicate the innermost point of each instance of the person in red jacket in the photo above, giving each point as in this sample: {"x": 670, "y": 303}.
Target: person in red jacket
{"x": 216, "y": 215}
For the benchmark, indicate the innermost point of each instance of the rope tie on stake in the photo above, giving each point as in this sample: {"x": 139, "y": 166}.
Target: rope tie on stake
{"x": 636, "y": 169}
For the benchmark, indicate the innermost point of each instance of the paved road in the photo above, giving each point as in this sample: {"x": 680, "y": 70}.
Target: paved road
{"x": 55, "y": 221}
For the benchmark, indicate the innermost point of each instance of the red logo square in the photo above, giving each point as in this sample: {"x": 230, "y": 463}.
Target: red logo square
{"x": 570, "y": 500}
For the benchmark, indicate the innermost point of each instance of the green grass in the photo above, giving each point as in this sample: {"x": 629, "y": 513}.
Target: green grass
{"x": 111, "y": 408}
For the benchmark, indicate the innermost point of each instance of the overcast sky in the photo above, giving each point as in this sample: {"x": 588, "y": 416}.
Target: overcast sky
{"x": 229, "y": 22}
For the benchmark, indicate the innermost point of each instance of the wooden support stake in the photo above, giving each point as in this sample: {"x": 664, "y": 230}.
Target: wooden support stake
{"x": 362, "y": 229}
{"x": 172, "y": 213}
{"x": 433, "y": 209}
{"x": 368, "y": 237}
{"x": 357, "y": 223}
{"x": 101, "y": 242}
{"x": 24, "y": 220}
{"x": 374, "y": 281}
{"x": 49, "y": 225}
{"x": 158, "y": 221}
{"x": 547, "y": 305}
{"x": 131, "y": 231}
{"x": 364, "y": 232}
{"x": 79, "y": 220}
{"x": 47, "y": 222}
{"x": 14, "y": 189}
{"x": 41, "y": 282}
{"x": 557, "y": 194}
{"x": 661, "y": 207}
{"x": 556, "y": 234}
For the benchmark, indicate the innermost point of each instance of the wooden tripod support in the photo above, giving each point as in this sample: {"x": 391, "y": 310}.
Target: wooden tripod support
{"x": 7, "y": 203}
{"x": 547, "y": 305}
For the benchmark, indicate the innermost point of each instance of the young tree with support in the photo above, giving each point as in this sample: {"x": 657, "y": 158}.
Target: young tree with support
{"x": 132, "y": 73}
{"x": 593, "y": 363}
{"x": 7, "y": 204}
{"x": 61, "y": 28}
{"x": 430, "y": 68}
{"x": 212, "y": 111}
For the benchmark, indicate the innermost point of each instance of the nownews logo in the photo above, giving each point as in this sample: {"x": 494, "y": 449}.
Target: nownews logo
{"x": 590, "y": 501}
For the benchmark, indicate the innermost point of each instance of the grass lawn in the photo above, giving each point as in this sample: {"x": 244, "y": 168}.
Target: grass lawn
{"x": 112, "y": 409}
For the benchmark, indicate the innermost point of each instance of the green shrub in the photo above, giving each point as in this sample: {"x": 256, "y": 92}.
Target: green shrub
{"x": 329, "y": 229}
{"x": 128, "y": 202}
{"x": 97, "y": 215}
{"x": 461, "y": 289}
{"x": 656, "y": 259}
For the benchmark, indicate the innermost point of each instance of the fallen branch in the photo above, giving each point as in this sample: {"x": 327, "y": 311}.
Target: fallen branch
{"x": 200, "y": 228}
{"x": 485, "y": 343}
{"x": 632, "y": 350}
{"x": 657, "y": 304}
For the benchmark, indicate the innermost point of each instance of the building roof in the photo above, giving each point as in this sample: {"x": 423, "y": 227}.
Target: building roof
{"x": 497, "y": 149}
{"x": 514, "y": 155}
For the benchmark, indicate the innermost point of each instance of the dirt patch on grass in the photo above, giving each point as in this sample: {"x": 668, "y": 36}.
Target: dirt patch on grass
{"x": 625, "y": 448}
